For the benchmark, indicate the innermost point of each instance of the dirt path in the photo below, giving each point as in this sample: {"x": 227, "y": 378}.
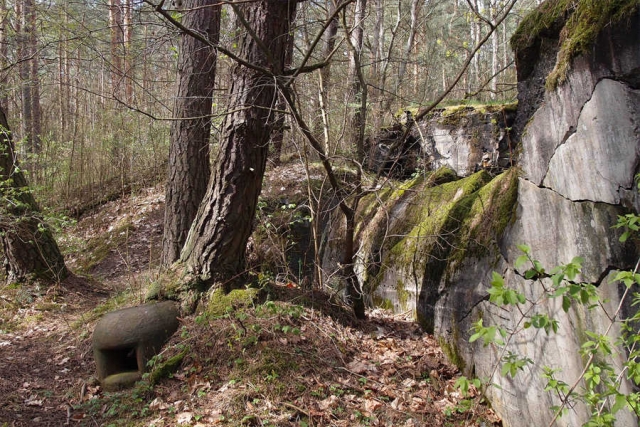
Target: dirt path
{"x": 46, "y": 360}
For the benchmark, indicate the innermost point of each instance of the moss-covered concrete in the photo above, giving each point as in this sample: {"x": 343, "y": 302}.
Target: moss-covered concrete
{"x": 411, "y": 248}
{"x": 578, "y": 25}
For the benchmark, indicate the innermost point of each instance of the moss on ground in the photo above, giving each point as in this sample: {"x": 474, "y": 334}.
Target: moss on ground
{"x": 98, "y": 248}
{"x": 165, "y": 368}
{"x": 220, "y": 304}
{"x": 583, "y": 22}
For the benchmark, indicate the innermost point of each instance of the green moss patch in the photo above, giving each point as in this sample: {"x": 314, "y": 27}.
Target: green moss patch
{"x": 220, "y": 304}
{"x": 442, "y": 209}
{"x": 165, "y": 368}
{"x": 441, "y": 226}
{"x": 582, "y": 23}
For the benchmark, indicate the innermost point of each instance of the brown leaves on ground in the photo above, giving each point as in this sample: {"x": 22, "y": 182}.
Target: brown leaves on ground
{"x": 279, "y": 364}
{"x": 297, "y": 358}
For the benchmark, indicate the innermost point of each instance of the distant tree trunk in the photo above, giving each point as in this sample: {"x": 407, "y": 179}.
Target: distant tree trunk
{"x": 493, "y": 11}
{"x": 117, "y": 37}
{"x": 358, "y": 96}
{"x": 23, "y": 68}
{"x": 189, "y": 153}
{"x": 29, "y": 248}
{"x": 63, "y": 79}
{"x": 214, "y": 251}
{"x": 4, "y": 50}
{"x": 127, "y": 23}
{"x": 277, "y": 139}
{"x": 415, "y": 12}
{"x": 35, "y": 145}
{"x": 28, "y": 70}
{"x": 325, "y": 75}
{"x": 377, "y": 54}
{"x": 357, "y": 91}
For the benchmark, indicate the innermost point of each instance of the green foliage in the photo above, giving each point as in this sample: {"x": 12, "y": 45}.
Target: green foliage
{"x": 487, "y": 333}
{"x": 464, "y": 384}
{"x": 600, "y": 384}
{"x": 630, "y": 223}
{"x": 500, "y": 295}
{"x": 512, "y": 363}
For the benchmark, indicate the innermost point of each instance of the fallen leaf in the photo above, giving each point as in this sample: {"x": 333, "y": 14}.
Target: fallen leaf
{"x": 360, "y": 367}
{"x": 33, "y": 401}
{"x": 157, "y": 403}
{"x": 184, "y": 417}
{"x": 327, "y": 403}
{"x": 371, "y": 405}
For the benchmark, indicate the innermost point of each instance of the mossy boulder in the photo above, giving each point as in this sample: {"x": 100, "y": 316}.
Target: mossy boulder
{"x": 413, "y": 237}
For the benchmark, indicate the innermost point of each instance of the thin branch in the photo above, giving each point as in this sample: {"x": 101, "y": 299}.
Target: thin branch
{"x": 446, "y": 92}
{"x": 158, "y": 8}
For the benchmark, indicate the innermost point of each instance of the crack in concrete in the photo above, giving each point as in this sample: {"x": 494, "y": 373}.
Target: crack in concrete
{"x": 543, "y": 187}
{"x": 573, "y": 127}
{"x": 477, "y": 303}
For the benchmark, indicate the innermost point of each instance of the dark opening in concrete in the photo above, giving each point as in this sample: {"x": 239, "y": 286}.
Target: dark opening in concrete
{"x": 121, "y": 360}
{"x": 125, "y": 340}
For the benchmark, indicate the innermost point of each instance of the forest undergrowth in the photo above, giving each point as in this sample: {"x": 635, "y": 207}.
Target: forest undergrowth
{"x": 283, "y": 355}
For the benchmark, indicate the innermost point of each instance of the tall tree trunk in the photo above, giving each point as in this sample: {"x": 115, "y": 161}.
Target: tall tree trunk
{"x": 214, "y": 251}
{"x": 23, "y": 68}
{"x": 413, "y": 29}
{"x": 4, "y": 50}
{"x": 29, "y": 248}
{"x": 127, "y": 34}
{"x": 35, "y": 145}
{"x": 357, "y": 91}
{"x": 377, "y": 54}
{"x": 189, "y": 153}
{"x": 358, "y": 95}
{"x": 493, "y": 11}
{"x": 324, "y": 76}
{"x": 116, "y": 27}
{"x": 277, "y": 138}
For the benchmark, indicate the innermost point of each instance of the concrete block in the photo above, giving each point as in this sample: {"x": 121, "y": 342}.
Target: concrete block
{"x": 125, "y": 340}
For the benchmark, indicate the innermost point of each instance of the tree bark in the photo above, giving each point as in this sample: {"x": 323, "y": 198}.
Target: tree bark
{"x": 4, "y": 50}
{"x": 117, "y": 37}
{"x": 23, "y": 68}
{"x": 277, "y": 139}
{"x": 413, "y": 30}
{"x": 325, "y": 75}
{"x": 35, "y": 143}
{"x": 357, "y": 90}
{"x": 214, "y": 250}
{"x": 30, "y": 251}
{"x": 189, "y": 169}
{"x": 127, "y": 34}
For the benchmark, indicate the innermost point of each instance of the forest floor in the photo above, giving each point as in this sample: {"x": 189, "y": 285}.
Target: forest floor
{"x": 285, "y": 357}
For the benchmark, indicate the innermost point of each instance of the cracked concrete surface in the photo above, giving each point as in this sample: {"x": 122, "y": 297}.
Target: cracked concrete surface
{"x": 602, "y": 155}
